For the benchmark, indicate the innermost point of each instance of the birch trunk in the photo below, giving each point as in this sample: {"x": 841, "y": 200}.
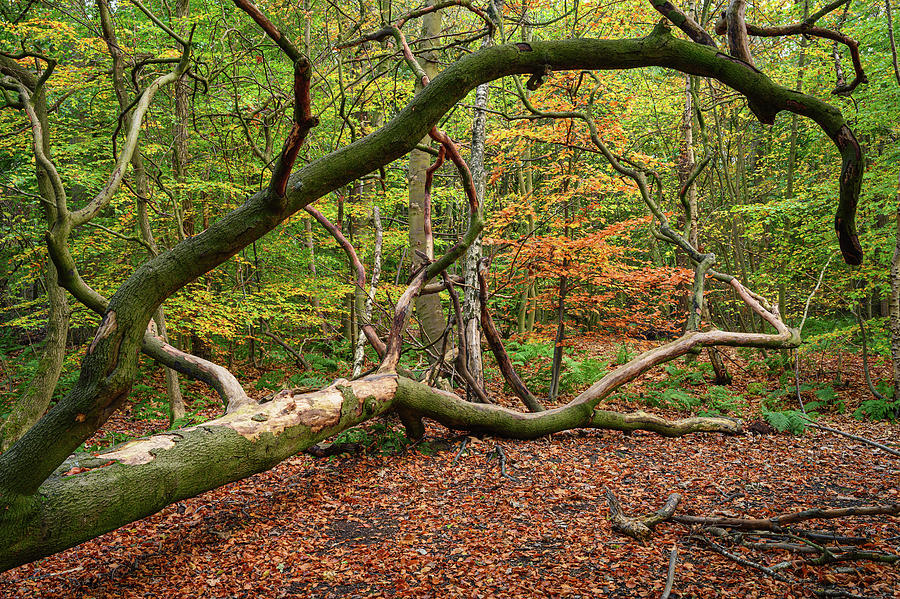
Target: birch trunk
{"x": 366, "y": 315}
{"x": 471, "y": 308}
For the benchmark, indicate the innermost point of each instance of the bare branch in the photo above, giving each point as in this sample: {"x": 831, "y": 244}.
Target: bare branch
{"x": 184, "y": 43}
{"x": 303, "y": 122}
{"x": 348, "y": 248}
{"x": 142, "y": 104}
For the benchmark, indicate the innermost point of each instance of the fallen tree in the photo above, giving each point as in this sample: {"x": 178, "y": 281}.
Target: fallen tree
{"x": 50, "y": 500}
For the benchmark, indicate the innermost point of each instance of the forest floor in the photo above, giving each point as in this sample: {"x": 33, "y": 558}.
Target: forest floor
{"x": 432, "y": 521}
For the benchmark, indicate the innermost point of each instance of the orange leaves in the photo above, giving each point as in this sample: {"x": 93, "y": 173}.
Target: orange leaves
{"x": 514, "y": 210}
{"x": 611, "y": 282}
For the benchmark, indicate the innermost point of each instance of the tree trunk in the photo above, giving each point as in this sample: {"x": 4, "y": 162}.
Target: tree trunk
{"x": 89, "y": 495}
{"x": 42, "y": 512}
{"x": 34, "y": 402}
{"x": 894, "y": 304}
{"x": 801, "y": 59}
{"x": 428, "y": 307}
{"x": 180, "y": 158}
{"x": 471, "y": 307}
{"x": 180, "y": 136}
{"x": 525, "y": 176}
{"x": 370, "y": 298}
{"x": 142, "y": 192}
{"x": 560, "y": 313}
{"x": 686, "y": 164}
{"x": 177, "y": 409}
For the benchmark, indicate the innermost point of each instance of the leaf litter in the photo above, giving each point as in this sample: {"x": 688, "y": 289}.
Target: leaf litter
{"x": 434, "y": 521}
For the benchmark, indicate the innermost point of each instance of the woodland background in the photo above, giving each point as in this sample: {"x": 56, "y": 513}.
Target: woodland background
{"x": 578, "y": 285}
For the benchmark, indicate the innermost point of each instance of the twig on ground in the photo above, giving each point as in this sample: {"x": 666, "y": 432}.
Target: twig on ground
{"x": 638, "y": 527}
{"x": 501, "y": 456}
{"x": 880, "y": 446}
{"x": 670, "y": 577}
{"x": 462, "y": 448}
{"x": 744, "y": 562}
{"x": 776, "y": 522}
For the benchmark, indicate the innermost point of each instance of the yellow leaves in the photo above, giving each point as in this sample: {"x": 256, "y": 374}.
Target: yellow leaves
{"x": 57, "y": 33}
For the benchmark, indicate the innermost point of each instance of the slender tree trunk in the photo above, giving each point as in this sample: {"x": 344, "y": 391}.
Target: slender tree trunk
{"x": 471, "y": 308}
{"x": 686, "y": 163}
{"x": 177, "y": 409}
{"x": 180, "y": 158}
{"x": 894, "y": 304}
{"x": 526, "y": 189}
{"x": 890, "y": 28}
{"x": 309, "y": 241}
{"x": 180, "y": 135}
{"x": 34, "y": 402}
{"x": 801, "y": 60}
{"x": 428, "y": 307}
{"x": 532, "y": 310}
{"x": 560, "y": 318}
{"x": 173, "y": 386}
{"x": 373, "y": 286}
{"x": 142, "y": 191}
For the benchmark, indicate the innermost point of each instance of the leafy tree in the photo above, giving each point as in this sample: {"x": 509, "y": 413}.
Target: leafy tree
{"x": 50, "y": 500}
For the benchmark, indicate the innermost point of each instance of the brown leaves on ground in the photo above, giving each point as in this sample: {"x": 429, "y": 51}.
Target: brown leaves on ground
{"x": 419, "y": 525}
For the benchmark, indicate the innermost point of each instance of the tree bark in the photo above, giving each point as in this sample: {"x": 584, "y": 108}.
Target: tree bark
{"x": 471, "y": 306}
{"x": 34, "y": 402}
{"x": 86, "y": 496}
{"x": 366, "y": 315}
{"x": 556, "y": 368}
{"x": 738, "y": 40}
{"x": 894, "y": 303}
{"x": 137, "y": 297}
{"x": 428, "y": 308}
{"x": 142, "y": 191}
{"x": 792, "y": 155}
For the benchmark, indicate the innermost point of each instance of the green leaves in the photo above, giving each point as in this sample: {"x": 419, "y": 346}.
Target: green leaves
{"x": 786, "y": 421}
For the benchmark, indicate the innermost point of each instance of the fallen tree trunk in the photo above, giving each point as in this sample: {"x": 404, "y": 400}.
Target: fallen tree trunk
{"x": 91, "y": 494}
{"x": 776, "y": 522}
{"x": 88, "y": 495}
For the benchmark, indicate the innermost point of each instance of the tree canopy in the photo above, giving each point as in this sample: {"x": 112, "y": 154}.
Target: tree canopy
{"x": 193, "y": 185}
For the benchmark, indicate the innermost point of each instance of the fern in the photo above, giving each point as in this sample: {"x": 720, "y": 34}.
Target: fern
{"x": 678, "y": 399}
{"x": 878, "y": 409}
{"x": 581, "y": 373}
{"x": 786, "y": 421}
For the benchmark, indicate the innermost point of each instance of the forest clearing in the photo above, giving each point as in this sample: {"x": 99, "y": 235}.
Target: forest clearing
{"x": 449, "y": 298}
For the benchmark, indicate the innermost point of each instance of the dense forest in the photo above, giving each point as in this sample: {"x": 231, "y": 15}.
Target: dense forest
{"x": 324, "y": 299}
